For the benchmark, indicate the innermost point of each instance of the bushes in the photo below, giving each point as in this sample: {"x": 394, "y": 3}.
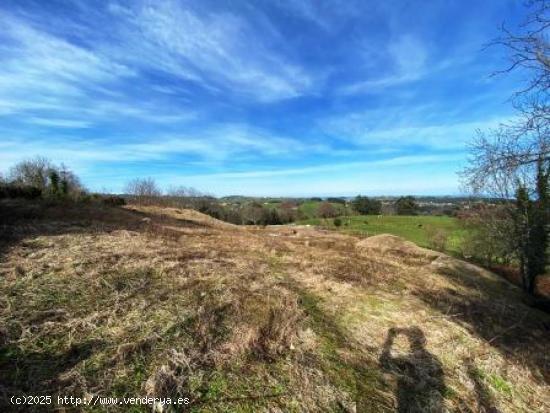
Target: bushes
{"x": 143, "y": 190}
{"x": 337, "y": 222}
{"x": 326, "y": 210}
{"x": 366, "y": 206}
{"x": 113, "y": 200}
{"x": 287, "y": 212}
{"x": 489, "y": 236}
{"x": 11, "y": 190}
{"x": 253, "y": 213}
{"x": 406, "y": 205}
{"x": 336, "y": 200}
{"x": 257, "y": 214}
{"x": 437, "y": 238}
{"x": 50, "y": 179}
{"x": 210, "y": 207}
{"x": 38, "y": 177}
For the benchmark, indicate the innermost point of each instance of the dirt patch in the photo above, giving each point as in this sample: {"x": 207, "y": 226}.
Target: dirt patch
{"x": 391, "y": 243}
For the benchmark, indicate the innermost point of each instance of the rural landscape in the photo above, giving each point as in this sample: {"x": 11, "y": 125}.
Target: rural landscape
{"x": 187, "y": 226}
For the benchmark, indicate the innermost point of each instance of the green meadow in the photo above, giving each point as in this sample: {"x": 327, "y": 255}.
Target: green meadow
{"x": 418, "y": 228}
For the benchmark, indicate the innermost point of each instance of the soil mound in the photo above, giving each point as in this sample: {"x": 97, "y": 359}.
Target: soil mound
{"x": 386, "y": 243}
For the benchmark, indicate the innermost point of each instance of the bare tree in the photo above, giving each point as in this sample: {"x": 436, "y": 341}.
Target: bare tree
{"x": 70, "y": 182}
{"x": 513, "y": 161}
{"x": 42, "y": 174}
{"x": 32, "y": 172}
{"x": 185, "y": 197}
{"x": 501, "y": 160}
{"x": 184, "y": 192}
{"x": 528, "y": 48}
{"x": 144, "y": 190}
{"x": 489, "y": 234}
{"x": 504, "y": 158}
{"x": 326, "y": 210}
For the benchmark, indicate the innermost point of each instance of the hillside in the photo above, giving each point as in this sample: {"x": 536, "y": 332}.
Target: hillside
{"x": 166, "y": 302}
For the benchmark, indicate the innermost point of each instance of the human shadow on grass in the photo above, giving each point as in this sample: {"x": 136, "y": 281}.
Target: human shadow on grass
{"x": 419, "y": 373}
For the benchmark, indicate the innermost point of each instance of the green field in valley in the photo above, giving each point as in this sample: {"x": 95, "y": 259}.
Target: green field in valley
{"x": 309, "y": 208}
{"x": 418, "y": 229}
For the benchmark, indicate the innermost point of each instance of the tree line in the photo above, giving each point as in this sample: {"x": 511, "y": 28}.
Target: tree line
{"x": 40, "y": 178}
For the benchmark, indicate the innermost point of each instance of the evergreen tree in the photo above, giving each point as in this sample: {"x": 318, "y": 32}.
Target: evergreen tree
{"x": 532, "y": 222}
{"x": 54, "y": 182}
{"x": 521, "y": 218}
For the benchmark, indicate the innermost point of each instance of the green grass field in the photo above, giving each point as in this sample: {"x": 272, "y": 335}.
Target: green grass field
{"x": 309, "y": 208}
{"x": 413, "y": 228}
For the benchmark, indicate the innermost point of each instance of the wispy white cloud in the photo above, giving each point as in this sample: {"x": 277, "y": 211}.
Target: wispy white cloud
{"x": 60, "y": 123}
{"x": 70, "y": 76}
{"x": 42, "y": 73}
{"x": 335, "y": 167}
{"x": 219, "y": 51}
{"x": 41, "y": 63}
{"x": 217, "y": 145}
{"x": 374, "y": 177}
{"x": 408, "y": 58}
{"x": 401, "y": 126}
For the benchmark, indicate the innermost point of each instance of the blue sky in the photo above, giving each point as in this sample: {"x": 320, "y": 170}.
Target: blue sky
{"x": 257, "y": 97}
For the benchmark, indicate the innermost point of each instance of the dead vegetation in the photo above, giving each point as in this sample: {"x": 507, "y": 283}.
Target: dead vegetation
{"x": 165, "y": 302}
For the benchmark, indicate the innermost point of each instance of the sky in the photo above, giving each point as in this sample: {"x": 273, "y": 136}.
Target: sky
{"x": 266, "y": 98}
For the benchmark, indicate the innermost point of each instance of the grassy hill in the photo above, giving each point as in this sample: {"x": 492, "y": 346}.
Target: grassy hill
{"x": 131, "y": 302}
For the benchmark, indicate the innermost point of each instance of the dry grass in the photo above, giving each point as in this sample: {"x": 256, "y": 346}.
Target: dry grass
{"x": 162, "y": 302}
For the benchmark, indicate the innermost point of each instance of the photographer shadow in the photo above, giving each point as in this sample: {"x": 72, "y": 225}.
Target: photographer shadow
{"x": 419, "y": 373}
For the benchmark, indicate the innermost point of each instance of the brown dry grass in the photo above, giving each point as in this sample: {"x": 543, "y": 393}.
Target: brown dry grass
{"x": 162, "y": 302}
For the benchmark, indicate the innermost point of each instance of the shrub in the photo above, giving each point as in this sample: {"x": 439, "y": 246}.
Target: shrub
{"x": 288, "y": 212}
{"x": 437, "y": 238}
{"x": 406, "y": 205}
{"x": 337, "y": 222}
{"x": 326, "y": 210}
{"x": 19, "y": 191}
{"x": 114, "y": 200}
{"x": 488, "y": 238}
{"x": 32, "y": 172}
{"x": 233, "y": 216}
{"x": 366, "y": 206}
{"x": 54, "y": 183}
{"x": 337, "y": 200}
{"x": 144, "y": 191}
{"x": 48, "y": 178}
{"x": 210, "y": 207}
